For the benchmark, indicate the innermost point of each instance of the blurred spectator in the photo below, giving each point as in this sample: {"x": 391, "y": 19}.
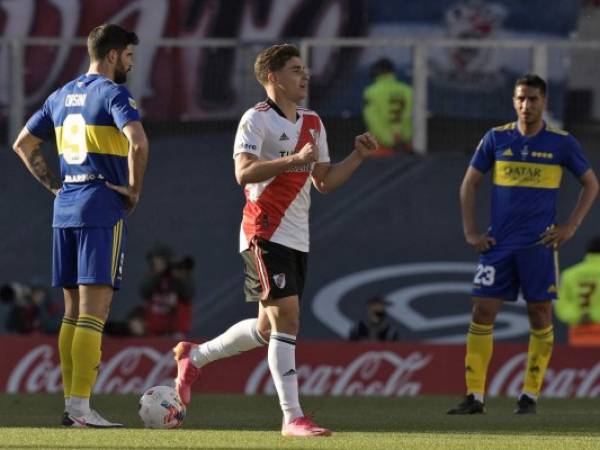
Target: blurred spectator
{"x": 579, "y": 298}
{"x": 167, "y": 291}
{"x": 134, "y": 325}
{"x": 387, "y": 110}
{"x": 50, "y": 312}
{"x": 136, "y": 322}
{"x": 31, "y": 309}
{"x": 376, "y": 326}
{"x": 182, "y": 272}
{"x": 22, "y": 316}
{"x": 9, "y": 292}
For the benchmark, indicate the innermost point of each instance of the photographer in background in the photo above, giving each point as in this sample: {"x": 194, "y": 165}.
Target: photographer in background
{"x": 167, "y": 290}
{"x": 32, "y": 309}
{"x": 376, "y": 326}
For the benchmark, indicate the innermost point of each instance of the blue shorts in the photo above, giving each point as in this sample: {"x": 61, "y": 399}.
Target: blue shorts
{"x": 501, "y": 273}
{"x": 88, "y": 256}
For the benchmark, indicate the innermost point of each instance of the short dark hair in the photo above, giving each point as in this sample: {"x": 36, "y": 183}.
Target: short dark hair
{"x": 381, "y": 66}
{"x": 107, "y": 37}
{"x": 378, "y": 300}
{"x": 273, "y": 59}
{"x": 594, "y": 245}
{"x": 532, "y": 80}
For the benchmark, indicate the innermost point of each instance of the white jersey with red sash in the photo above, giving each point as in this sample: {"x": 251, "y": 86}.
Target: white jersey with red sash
{"x": 277, "y": 209}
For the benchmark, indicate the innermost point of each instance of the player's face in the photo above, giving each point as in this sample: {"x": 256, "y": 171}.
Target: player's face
{"x": 529, "y": 103}
{"x": 292, "y": 79}
{"x": 124, "y": 64}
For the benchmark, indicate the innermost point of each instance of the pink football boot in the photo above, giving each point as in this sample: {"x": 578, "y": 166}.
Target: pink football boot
{"x": 187, "y": 373}
{"x": 303, "y": 427}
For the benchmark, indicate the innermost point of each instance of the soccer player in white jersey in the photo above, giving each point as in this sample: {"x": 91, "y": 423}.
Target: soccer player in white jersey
{"x": 280, "y": 150}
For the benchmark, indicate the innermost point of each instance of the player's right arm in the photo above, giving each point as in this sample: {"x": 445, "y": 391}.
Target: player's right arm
{"x": 249, "y": 168}
{"x": 27, "y": 146}
{"x": 480, "y": 163}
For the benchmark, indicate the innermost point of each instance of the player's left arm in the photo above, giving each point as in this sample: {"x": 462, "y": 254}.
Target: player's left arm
{"x": 559, "y": 234}
{"x": 137, "y": 161}
{"x": 326, "y": 176}
{"x": 27, "y": 146}
{"x": 126, "y": 116}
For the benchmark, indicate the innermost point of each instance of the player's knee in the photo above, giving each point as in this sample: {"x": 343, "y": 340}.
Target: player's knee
{"x": 483, "y": 315}
{"x": 287, "y": 324}
{"x": 265, "y": 333}
{"x": 540, "y": 314}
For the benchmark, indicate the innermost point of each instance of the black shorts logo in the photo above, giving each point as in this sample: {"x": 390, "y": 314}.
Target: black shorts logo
{"x": 279, "y": 280}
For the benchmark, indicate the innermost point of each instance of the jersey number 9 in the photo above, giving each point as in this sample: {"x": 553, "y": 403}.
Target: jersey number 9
{"x": 74, "y": 142}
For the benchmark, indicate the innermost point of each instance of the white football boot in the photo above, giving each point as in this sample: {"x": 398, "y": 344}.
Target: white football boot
{"x": 90, "y": 420}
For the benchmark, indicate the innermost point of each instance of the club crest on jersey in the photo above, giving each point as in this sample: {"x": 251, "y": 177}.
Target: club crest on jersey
{"x": 279, "y": 279}
{"x": 314, "y": 133}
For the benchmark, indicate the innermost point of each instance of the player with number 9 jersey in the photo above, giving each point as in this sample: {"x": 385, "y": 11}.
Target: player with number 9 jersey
{"x": 103, "y": 153}
{"x": 87, "y": 115}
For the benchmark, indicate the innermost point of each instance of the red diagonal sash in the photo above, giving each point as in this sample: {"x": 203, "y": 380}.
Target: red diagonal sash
{"x": 263, "y": 216}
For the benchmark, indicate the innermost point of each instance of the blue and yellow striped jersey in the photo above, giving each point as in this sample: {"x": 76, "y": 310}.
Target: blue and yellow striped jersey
{"x": 527, "y": 172}
{"x": 87, "y": 116}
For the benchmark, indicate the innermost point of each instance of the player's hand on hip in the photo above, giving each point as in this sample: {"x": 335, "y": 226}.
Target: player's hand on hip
{"x": 557, "y": 235}
{"x": 480, "y": 242}
{"x": 130, "y": 195}
{"x": 307, "y": 154}
{"x": 365, "y": 144}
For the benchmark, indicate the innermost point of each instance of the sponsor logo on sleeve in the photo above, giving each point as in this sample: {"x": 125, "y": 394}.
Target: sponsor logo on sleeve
{"x": 246, "y": 146}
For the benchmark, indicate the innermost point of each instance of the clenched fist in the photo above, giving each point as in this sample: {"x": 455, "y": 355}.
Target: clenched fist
{"x": 308, "y": 154}
{"x": 365, "y": 144}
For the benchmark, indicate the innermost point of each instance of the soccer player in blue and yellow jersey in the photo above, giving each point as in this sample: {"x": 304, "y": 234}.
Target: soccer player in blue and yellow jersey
{"x": 517, "y": 253}
{"x": 103, "y": 154}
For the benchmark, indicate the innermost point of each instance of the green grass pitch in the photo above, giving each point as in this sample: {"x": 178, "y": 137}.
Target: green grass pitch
{"x": 241, "y": 422}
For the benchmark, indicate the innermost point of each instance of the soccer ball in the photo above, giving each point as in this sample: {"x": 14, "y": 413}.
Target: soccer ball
{"x": 160, "y": 407}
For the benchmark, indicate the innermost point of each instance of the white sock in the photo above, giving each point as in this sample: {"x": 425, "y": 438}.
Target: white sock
{"x": 282, "y": 363}
{"x": 68, "y": 404}
{"x": 479, "y": 397}
{"x": 241, "y": 337}
{"x": 79, "y": 406}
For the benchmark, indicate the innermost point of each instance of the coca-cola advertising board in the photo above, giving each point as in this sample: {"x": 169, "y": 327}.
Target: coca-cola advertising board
{"x": 30, "y": 365}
